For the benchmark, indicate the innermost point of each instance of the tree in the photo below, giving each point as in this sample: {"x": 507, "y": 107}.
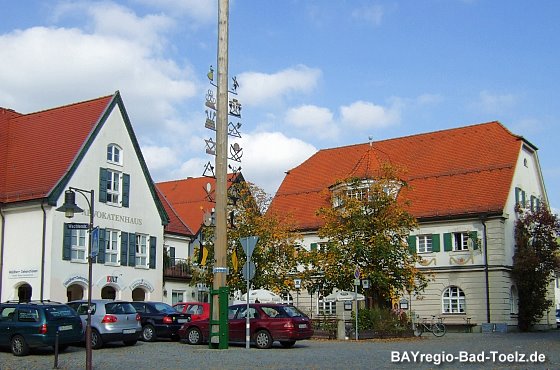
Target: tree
{"x": 275, "y": 255}
{"x": 366, "y": 229}
{"x": 534, "y": 262}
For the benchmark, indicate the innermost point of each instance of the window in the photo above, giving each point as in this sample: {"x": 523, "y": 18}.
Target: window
{"x": 113, "y": 186}
{"x": 520, "y": 197}
{"x": 111, "y": 246}
{"x": 460, "y": 241}
{"x": 453, "y": 300}
{"x": 513, "y": 301}
{"x": 79, "y": 244}
{"x": 318, "y": 247}
{"x": 176, "y": 297}
{"x": 141, "y": 250}
{"x": 114, "y": 154}
{"x": 424, "y": 243}
{"x": 326, "y": 308}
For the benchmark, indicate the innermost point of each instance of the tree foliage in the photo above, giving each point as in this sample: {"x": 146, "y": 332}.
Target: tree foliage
{"x": 367, "y": 230}
{"x": 534, "y": 262}
{"x": 275, "y": 255}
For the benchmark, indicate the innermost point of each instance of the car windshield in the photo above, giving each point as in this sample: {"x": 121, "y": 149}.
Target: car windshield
{"x": 58, "y": 312}
{"x": 164, "y": 307}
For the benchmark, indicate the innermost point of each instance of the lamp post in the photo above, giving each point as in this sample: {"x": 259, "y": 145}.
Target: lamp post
{"x": 69, "y": 208}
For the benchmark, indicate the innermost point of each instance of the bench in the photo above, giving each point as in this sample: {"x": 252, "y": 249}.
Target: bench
{"x": 453, "y": 322}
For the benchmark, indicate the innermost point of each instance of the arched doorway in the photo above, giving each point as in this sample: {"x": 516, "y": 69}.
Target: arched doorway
{"x": 74, "y": 292}
{"x": 108, "y": 292}
{"x": 24, "y": 292}
{"x": 138, "y": 294}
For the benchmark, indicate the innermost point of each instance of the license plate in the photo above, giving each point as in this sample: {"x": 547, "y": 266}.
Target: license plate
{"x": 302, "y": 326}
{"x": 65, "y": 327}
{"x": 129, "y": 331}
{"x": 182, "y": 321}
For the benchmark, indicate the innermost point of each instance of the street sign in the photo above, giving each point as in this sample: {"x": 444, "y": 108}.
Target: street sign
{"x": 249, "y": 270}
{"x": 297, "y": 283}
{"x": 356, "y": 282}
{"x": 248, "y": 243}
{"x": 95, "y": 242}
{"x": 365, "y": 283}
{"x": 357, "y": 273}
{"x": 77, "y": 226}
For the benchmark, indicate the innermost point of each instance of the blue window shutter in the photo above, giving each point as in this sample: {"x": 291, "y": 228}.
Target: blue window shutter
{"x": 103, "y": 185}
{"x": 125, "y": 189}
{"x": 412, "y": 244}
{"x": 102, "y": 246}
{"x": 153, "y": 244}
{"x": 124, "y": 248}
{"x": 132, "y": 249}
{"x": 435, "y": 242}
{"x": 447, "y": 242}
{"x": 473, "y": 236}
{"x": 67, "y": 244}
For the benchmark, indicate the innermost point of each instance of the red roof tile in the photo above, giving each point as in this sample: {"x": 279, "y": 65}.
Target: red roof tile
{"x": 451, "y": 172}
{"x": 175, "y": 225}
{"x": 38, "y": 148}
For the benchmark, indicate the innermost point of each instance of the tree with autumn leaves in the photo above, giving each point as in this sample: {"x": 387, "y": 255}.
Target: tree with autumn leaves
{"x": 366, "y": 229}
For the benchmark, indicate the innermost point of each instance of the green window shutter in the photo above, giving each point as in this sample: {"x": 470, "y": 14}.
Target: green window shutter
{"x": 447, "y": 242}
{"x": 103, "y": 185}
{"x": 538, "y": 204}
{"x": 153, "y": 244}
{"x": 533, "y": 203}
{"x": 523, "y": 199}
{"x": 435, "y": 242}
{"x": 102, "y": 246}
{"x": 412, "y": 244}
{"x": 132, "y": 249}
{"x": 517, "y": 197}
{"x": 313, "y": 247}
{"x": 125, "y": 189}
{"x": 67, "y": 244}
{"x": 473, "y": 235}
{"x": 172, "y": 256}
{"x": 124, "y": 248}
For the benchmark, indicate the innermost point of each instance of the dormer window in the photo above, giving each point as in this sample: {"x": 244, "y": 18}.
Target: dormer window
{"x": 361, "y": 191}
{"x": 114, "y": 154}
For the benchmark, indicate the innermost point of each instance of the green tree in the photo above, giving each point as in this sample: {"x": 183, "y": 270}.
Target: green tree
{"x": 534, "y": 262}
{"x": 366, "y": 229}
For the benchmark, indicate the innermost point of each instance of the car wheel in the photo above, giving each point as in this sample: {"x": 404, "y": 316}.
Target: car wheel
{"x": 263, "y": 339}
{"x": 287, "y": 343}
{"x": 194, "y": 336}
{"x": 148, "y": 333}
{"x": 19, "y": 346}
{"x": 130, "y": 342}
{"x": 96, "y": 341}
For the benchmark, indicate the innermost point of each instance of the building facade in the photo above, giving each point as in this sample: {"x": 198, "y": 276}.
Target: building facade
{"x": 464, "y": 185}
{"x": 89, "y": 146}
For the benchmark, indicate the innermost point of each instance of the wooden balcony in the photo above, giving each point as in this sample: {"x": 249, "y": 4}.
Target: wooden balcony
{"x": 177, "y": 268}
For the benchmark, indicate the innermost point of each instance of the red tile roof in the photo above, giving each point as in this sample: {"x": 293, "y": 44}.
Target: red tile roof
{"x": 38, "y": 148}
{"x": 175, "y": 225}
{"x": 189, "y": 198}
{"x": 461, "y": 171}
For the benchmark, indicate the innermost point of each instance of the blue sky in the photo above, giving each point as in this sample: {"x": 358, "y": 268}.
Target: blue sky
{"x": 314, "y": 74}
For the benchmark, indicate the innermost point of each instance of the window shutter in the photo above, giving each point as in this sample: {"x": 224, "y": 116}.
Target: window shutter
{"x": 172, "y": 256}
{"x": 412, "y": 244}
{"x": 102, "y": 246}
{"x": 132, "y": 249}
{"x": 125, "y": 189}
{"x": 435, "y": 242}
{"x": 313, "y": 247}
{"x": 447, "y": 242}
{"x": 473, "y": 236}
{"x": 523, "y": 199}
{"x": 124, "y": 248}
{"x": 153, "y": 244}
{"x": 67, "y": 244}
{"x": 103, "y": 185}
{"x": 517, "y": 191}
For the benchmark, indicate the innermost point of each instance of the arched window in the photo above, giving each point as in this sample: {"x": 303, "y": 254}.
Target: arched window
{"x": 453, "y": 300}
{"x": 114, "y": 154}
{"x": 513, "y": 301}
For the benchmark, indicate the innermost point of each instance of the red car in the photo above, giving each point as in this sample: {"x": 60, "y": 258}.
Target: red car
{"x": 269, "y": 322}
{"x": 197, "y": 310}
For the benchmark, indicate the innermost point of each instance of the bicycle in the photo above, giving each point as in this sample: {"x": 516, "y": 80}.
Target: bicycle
{"x": 436, "y": 328}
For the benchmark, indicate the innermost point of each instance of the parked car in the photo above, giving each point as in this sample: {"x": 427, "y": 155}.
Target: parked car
{"x": 36, "y": 324}
{"x": 197, "y": 310}
{"x": 111, "y": 321}
{"x": 557, "y": 318}
{"x": 159, "y": 320}
{"x": 269, "y": 322}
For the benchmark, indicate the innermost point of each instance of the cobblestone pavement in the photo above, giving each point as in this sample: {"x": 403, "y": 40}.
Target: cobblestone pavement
{"x": 453, "y": 351}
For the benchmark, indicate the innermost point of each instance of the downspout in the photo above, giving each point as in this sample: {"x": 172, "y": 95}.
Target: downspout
{"x": 43, "y": 241}
{"x": 3, "y": 226}
{"x": 485, "y": 242}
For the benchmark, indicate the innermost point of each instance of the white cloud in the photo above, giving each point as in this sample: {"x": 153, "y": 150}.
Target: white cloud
{"x": 429, "y": 99}
{"x": 367, "y": 115}
{"x": 314, "y": 120}
{"x": 257, "y": 88}
{"x": 202, "y": 11}
{"x": 495, "y": 103}
{"x": 372, "y": 14}
{"x": 159, "y": 157}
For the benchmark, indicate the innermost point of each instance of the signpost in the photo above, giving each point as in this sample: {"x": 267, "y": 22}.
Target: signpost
{"x": 248, "y": 243}
{"x": 356, "y": 283}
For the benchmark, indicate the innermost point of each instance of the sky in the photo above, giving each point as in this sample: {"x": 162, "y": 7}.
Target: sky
{"x": 313, "y": 74}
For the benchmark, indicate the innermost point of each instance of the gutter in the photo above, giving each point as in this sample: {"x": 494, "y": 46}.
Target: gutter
{"x": 43, "y": 241}
{"x": 487, "y": 285}
{"x": 3, "y": 227}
